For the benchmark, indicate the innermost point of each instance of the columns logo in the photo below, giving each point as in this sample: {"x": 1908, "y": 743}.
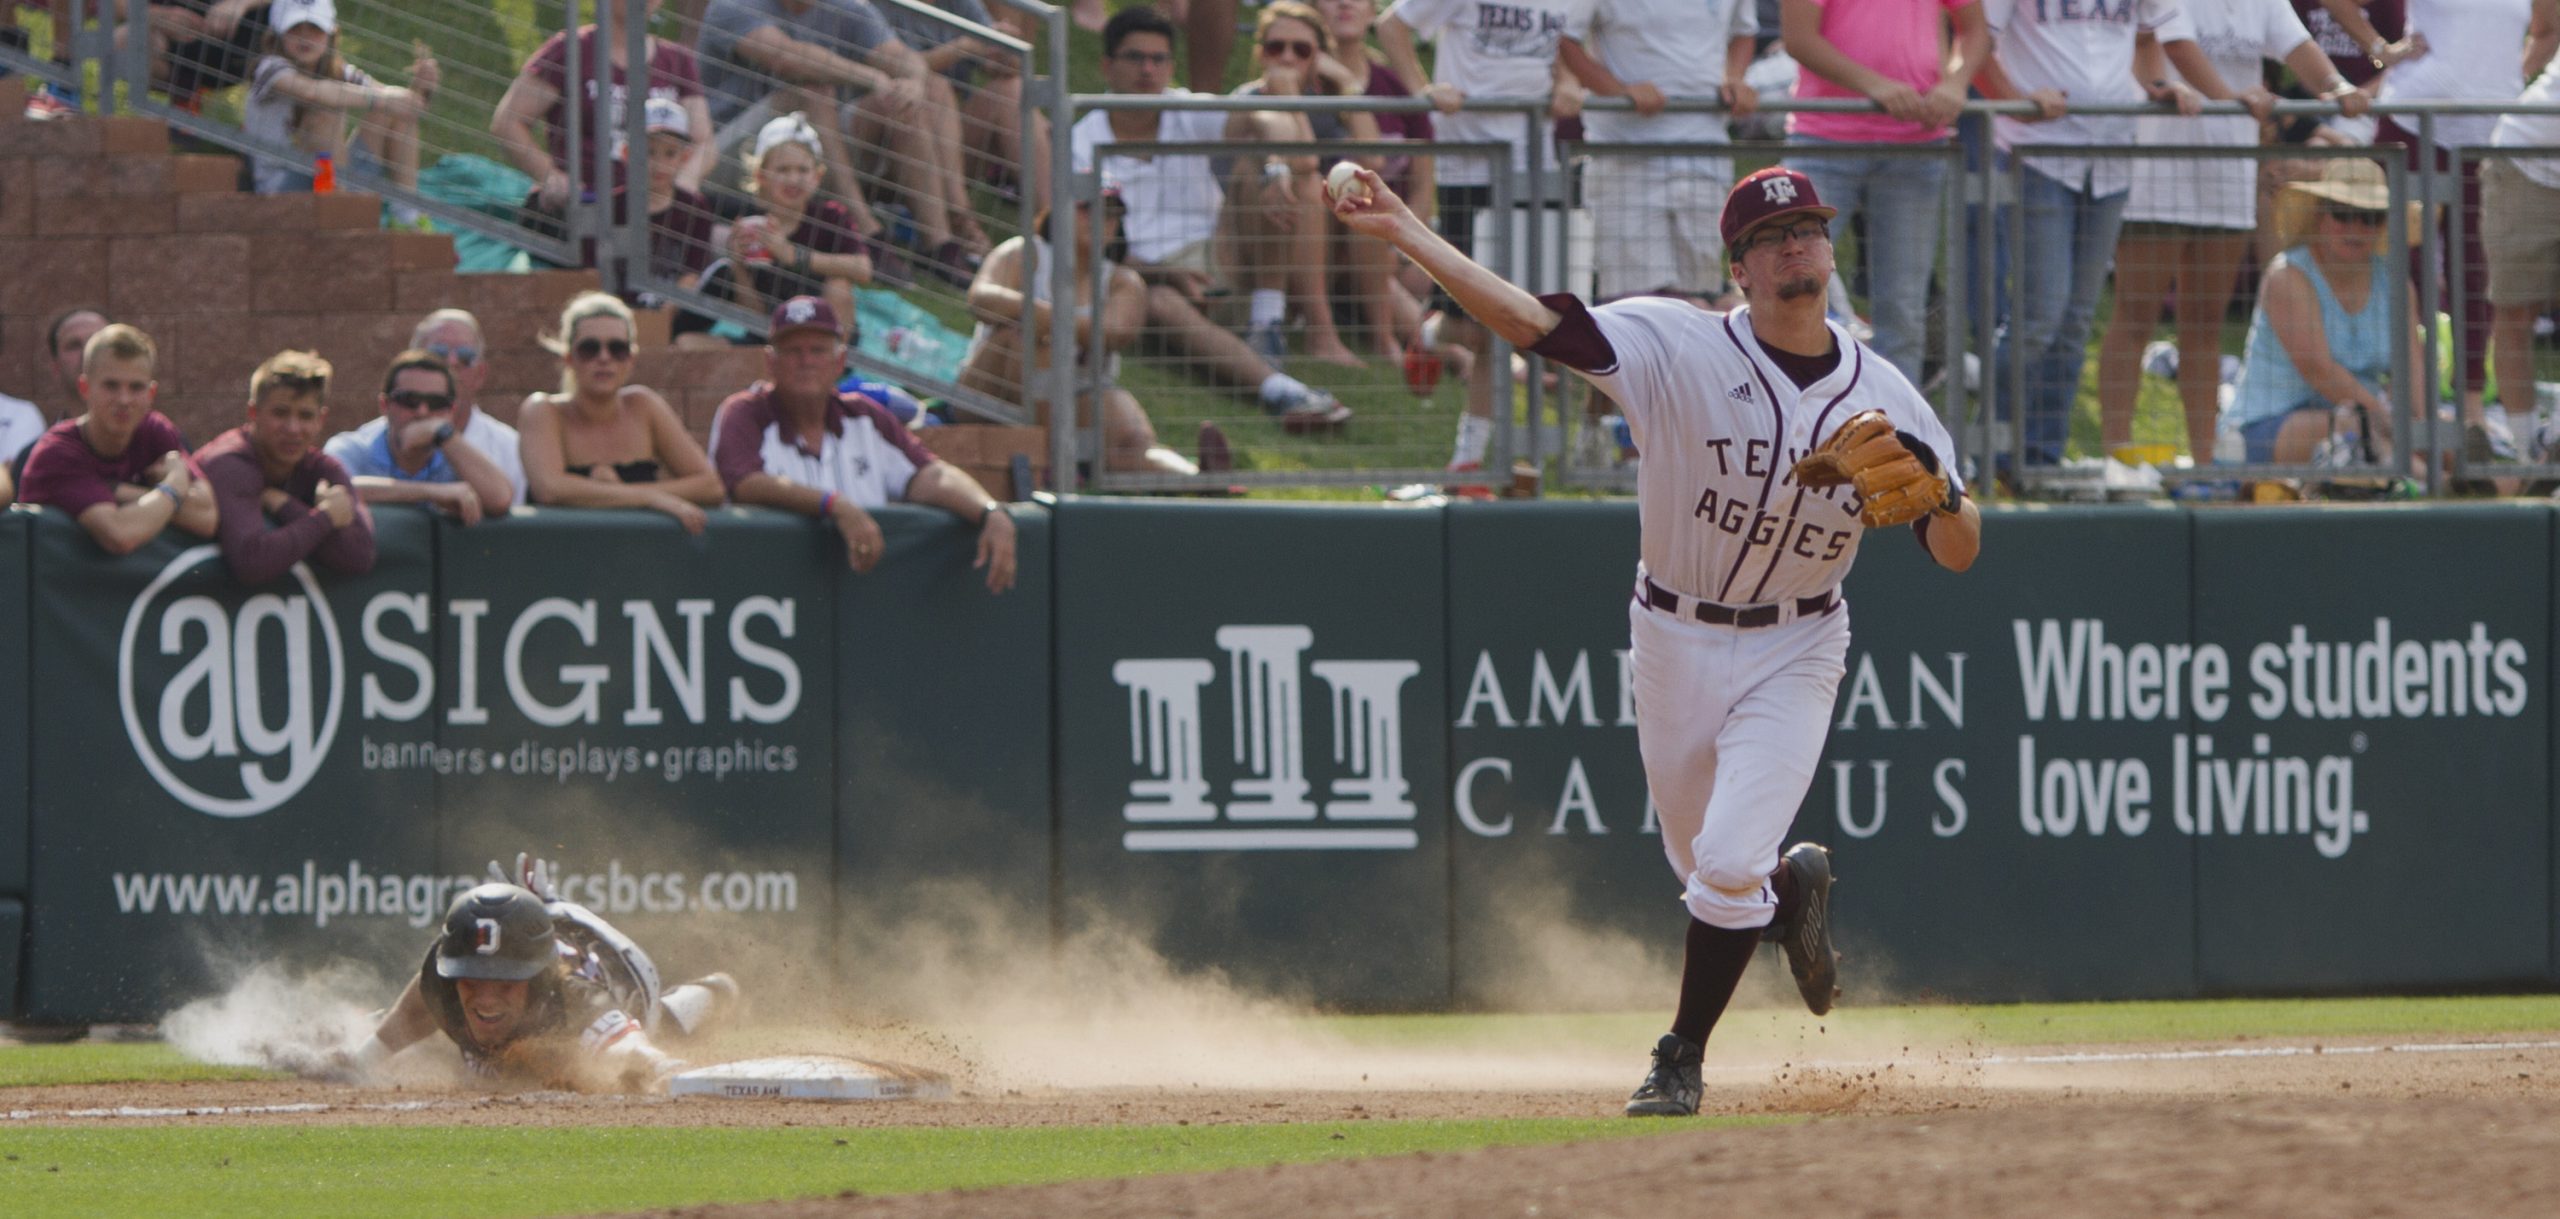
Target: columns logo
{"x": 1272, "y": 804}
{"x": 248, "y": 716}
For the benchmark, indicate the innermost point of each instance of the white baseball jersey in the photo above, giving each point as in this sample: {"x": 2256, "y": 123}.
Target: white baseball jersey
{"x": 1730, "y": 718}
{"x": 1720, "y": 427}
{"x": 2085, "y": 49}
{"x": 2237, "y": 35}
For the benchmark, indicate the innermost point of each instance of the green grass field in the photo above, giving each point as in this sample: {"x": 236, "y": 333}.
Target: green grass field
{"x": 286, "y": 1172}
{"x": 280, "y": 1172}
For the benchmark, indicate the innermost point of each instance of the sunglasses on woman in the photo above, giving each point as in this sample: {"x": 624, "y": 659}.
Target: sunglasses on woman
{"x": 588, "y": 349}
{"x": 1274, "y": 48}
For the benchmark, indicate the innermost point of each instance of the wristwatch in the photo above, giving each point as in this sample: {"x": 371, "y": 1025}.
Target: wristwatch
{"x": 990, "y": 509}
{"x": 444, "y": 432}
{"x": 2373, "y": 51}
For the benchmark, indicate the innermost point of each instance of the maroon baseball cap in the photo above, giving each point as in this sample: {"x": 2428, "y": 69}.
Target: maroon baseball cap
{"x": 804, "y": 313}
{"x": 1768, "y": 195}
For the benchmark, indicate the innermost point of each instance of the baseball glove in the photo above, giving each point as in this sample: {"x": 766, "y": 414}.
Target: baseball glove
{"x": 1896, "y": 476}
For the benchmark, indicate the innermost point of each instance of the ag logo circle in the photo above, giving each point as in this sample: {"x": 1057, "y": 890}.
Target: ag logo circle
{"x": 246, "y": 717}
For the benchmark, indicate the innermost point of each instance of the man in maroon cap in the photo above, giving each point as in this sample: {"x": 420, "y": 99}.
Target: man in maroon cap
{"x": 1739, "y": 634}
{"x": 792, "y": 442}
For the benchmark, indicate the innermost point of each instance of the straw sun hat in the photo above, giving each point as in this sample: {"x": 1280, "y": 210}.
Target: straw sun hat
{"x": 2350, "y": 183}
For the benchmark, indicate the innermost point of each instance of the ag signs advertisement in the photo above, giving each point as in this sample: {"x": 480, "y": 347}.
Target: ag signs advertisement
{"x": 205, "y": 798}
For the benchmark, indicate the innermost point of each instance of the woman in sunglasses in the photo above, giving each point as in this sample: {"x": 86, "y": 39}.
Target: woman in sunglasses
{"x": 2319, "y": 348}
{"x": 602, "y": 442}
{"x": 1284, "y": 232}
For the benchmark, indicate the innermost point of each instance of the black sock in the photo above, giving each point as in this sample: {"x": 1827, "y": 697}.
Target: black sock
{"x": 1710, "y": 968}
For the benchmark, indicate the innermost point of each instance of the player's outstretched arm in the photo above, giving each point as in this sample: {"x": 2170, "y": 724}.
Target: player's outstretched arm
{"x": 1368, "y": 208}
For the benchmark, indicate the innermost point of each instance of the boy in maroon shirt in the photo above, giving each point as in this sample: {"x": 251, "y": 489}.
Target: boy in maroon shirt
{"x": 282, "y": 499}
{"x": 121, "y": 468}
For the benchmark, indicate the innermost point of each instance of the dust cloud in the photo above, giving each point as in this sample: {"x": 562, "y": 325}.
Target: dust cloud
{"x": 275, "y": 1017}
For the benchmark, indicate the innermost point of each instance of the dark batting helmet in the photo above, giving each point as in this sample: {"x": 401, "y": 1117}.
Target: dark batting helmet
{"x": 498, "y": 932}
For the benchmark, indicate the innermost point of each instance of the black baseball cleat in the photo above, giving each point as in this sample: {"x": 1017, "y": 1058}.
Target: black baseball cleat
{"x": 1671, "y": 1088}
{"x": 1807, "y": 937}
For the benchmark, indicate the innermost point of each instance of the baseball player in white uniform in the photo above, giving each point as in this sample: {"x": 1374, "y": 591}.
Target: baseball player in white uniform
{"x": 1740, "y": 635}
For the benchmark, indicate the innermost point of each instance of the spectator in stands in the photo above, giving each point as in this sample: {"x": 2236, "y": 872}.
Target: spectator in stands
{"x": 2520, "y": 211}
{"x": 120, "y": 468}
{"x": 1654, "y": 217}
{"x": 1493, "y": 50}
{"x": 769, "y": 57}
{"x": 197, "y": 46}
{"x": 798, "y": 242}
{"x": 1173, "y": 220}
{"x": 64, "y": 340}
{"x": 602, "y": 442}
{"x": 681, "y": 220}
{"x": 2387, "y": 19}
{"x": 21, "y": 425}
{"x": 453, "y": 336}
{"x": 2460, "y": 50}
{"x": 280, "y": 498}
{"x": 302, "y": 92}
{"x": 1370, "y": 268}
{"x": 994, "y": 364}
{"x": 986, "y": 79}
{"x": 2188, "y": 223}
{"x": 536, "y": 101}
{"x": 2319, "y": 349}
{"x": 2064, "y": 226}
{"x": 412, "y": 453}
{"x": 1293, "y": 49}
{"x": 1889, "y": 52}
{"x": 792, "y": 442}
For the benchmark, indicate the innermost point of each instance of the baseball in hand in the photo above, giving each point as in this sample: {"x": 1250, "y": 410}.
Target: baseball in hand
{"x": 1344, "y": 180}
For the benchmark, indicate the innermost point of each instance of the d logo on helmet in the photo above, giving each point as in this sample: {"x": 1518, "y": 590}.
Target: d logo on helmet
{"x": 485, "y": 934}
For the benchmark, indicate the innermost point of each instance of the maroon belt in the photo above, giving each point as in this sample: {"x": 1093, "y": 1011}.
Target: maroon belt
{"x": 1658, "y": 597}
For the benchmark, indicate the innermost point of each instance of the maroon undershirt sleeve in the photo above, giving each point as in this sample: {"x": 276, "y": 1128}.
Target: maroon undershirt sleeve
{"x": 1576, "y": 341}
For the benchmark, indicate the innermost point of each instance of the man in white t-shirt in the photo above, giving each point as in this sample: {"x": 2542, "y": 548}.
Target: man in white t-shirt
{"x": 1654, "y": 218}
{"x": 1171, "y": 218}
{"x": 1481, "y": 50}
{"x": 793, "y": 442}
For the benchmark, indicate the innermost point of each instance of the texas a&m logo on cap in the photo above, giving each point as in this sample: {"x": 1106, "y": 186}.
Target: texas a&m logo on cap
{"x": 1765, "y": 196}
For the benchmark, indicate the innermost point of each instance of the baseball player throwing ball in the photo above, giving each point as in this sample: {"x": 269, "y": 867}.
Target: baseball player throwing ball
{"x": 539, "y": 991}
{"x": 1772, "y": 442}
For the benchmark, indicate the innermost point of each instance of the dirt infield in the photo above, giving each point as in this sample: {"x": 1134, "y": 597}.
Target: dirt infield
{"x": 2360, "y": 1127}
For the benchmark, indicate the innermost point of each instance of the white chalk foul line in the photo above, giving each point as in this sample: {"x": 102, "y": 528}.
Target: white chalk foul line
{"x": 136, "y": 1111}
{"x": 2260, "y": 1051}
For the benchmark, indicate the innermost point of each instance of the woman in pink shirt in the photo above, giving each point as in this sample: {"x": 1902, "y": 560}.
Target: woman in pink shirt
{"x": 1895, "y": 53}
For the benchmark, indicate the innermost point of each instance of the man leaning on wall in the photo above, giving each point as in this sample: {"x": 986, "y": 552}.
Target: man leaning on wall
{"x": 120, "y": 468}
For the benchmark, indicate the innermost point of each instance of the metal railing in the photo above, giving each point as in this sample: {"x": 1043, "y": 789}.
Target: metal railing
{"x": 1533, "y": 424}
